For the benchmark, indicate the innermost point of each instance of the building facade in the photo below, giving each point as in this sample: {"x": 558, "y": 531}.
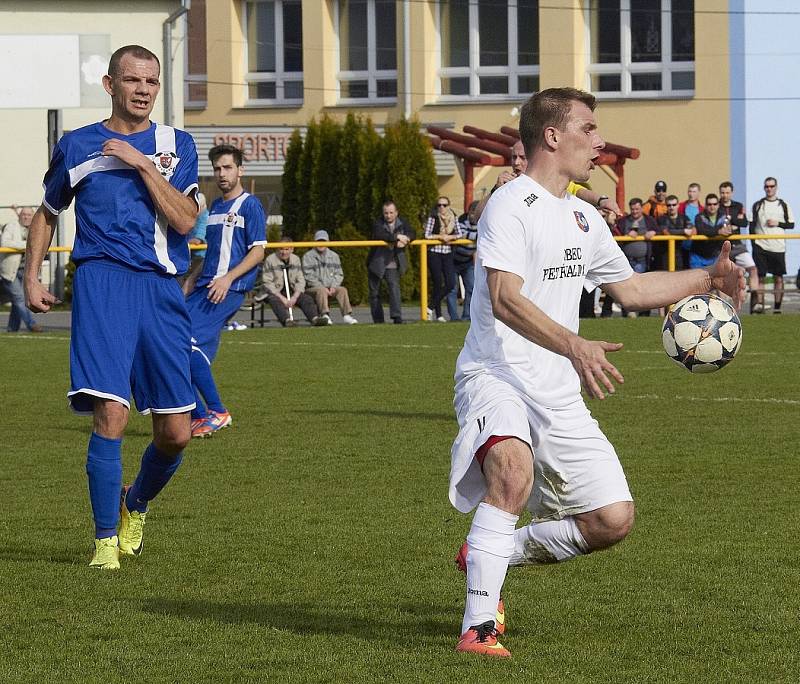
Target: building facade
{"x": 659, "y": 67}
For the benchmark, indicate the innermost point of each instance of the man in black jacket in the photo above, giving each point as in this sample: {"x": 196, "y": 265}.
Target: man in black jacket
{"x": 388, "y": 263}
{"x": 737, "y": 219}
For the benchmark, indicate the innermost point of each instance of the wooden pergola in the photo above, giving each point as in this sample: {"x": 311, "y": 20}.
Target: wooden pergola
{"x": 477, "y": 147}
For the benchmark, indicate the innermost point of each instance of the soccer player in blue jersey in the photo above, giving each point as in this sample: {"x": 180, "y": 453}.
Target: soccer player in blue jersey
{"x": 134, "y": 185}
{"x": 235, "y": 235}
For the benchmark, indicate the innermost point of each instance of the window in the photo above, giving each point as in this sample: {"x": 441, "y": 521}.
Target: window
{"x": 196, "y": 79}
{"x": 274, "y": 52}
{"x": 367, "y": 31}
{"x": 488, "y": 48}
{"x": 641, "y": 48}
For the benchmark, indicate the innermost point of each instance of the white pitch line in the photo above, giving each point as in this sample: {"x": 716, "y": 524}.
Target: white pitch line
{"x": 748, "y": 400}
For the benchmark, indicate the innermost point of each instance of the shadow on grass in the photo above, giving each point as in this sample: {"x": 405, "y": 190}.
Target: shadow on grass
{"x": 384, "y": 623}
{"x": 26, "y": 554}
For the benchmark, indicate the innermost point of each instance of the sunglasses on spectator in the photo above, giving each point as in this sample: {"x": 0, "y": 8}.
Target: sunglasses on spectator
{"x": 712, "y": 204}
{"x": 767, "y": 186}
{"x": 440, "y": 204}
{"x": 672, "y": 204}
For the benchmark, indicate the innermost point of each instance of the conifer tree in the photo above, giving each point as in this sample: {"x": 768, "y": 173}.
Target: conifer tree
{"x": 292, "y": 189}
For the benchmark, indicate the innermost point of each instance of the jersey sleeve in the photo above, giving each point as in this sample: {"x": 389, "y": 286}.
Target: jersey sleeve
{"x": 255, "y": 222}
{"x": 185, "y": 176}
{"x": 608, "y": 264}
{"x": 502, "y": 243}
{"x": 58, "y": 191}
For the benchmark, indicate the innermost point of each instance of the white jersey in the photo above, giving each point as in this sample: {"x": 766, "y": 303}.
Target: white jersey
{"x": 557, "y": 246}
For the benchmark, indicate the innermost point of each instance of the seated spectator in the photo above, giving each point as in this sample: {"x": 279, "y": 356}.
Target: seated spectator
{"x": 322, "y": 269}
{"x": 442, "y": 225}
{"x": 388, "y": 263}
{"x": 675, "y": 223}
{"x": 710, "y": 222}
{"x": 14, "y": 235}
{"x": 279, "y": 268}
{"x": 637, "y": 224}
{"x": 464, "y": 260}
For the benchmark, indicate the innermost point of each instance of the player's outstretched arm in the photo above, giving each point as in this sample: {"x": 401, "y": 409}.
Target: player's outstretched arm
{"x": 588, "y": 357}
{"x": 662, "y": 288}
{"x": 40, "y": 235}
{"x": 179, "y": 210}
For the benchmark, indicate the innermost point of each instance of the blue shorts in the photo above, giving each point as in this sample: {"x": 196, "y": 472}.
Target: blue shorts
{"x": 697, "y": 261}
{"x": 130, "y": 334}
{"x": 208, "y": 318}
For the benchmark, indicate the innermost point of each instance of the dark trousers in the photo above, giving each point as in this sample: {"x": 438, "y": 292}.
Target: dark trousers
{"x": 392, "y": 278}
{"x": 443, "y": 274}
{"x": 304, "y": 302}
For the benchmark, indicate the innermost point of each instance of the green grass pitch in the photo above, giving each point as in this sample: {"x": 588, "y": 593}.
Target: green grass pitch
{"x": 313, "y": 541}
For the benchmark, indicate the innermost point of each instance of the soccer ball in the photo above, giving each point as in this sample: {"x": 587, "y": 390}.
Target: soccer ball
{"x": 702, "y": 333}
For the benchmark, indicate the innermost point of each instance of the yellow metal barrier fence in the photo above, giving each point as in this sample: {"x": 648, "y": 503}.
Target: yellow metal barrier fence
{"x": 424, "y": 244}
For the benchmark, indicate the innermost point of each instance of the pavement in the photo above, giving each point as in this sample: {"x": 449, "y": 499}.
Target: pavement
{"x": 60, "y": 320}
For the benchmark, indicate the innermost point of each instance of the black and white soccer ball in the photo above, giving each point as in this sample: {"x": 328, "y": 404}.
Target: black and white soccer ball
{"x": 702, "y": 333}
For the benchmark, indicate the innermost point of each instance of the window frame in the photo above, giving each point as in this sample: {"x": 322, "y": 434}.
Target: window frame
{"x": 372, "y": 74}
{"x": 189, "y": 79}
{"x": 279, "y": 76}
{"x": 474, "y": 71}
{"x": 626, "y": 68}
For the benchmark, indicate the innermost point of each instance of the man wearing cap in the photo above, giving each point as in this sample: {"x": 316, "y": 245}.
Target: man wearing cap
{"x": 656, "y": 207}
{"x": 322, "y": 269}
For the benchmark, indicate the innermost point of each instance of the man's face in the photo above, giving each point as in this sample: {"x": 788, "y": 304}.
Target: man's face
{"x": 226, "y": 173}
{"x": 771, "y": 188}
{"x": 712, "y": 205}
{"x": 473, "y": 215}
{"x": 579, "y": 143}
{"x": 389, "y": 213}
{"x": 661, "y": 196}
{"x": 636, "y": 210}
{"x": 672, "y": 208}
{"x": 284, "y": 252}
{"x": 25, "y": 217}
{"x": 321, "y": 249}
{"x": 725, "y": 194}
{"x": 134, "y": 89}
{"x": 693, "y": 192}
{"x": 519, "y": 162}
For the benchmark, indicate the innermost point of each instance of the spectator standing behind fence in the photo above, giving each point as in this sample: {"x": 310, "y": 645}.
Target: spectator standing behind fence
{"x": 709, "y": 222}
{"x": 771, "y": 216}
{"x": 737, "y": 219}
{"x": 442, "y": 225}
{"x": 464, "y": 259}
{"x": 656, "y": 206}
{"x": 637, "y": 224}
{"x": 675, "y": 223}
{"x": 14, "y": 235}
{"x": 274, "y": 287}
{"x": 388, "y": 263}
{"x": 322, "y": 269}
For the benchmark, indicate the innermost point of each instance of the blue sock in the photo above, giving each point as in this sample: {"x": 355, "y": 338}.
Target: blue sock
{"x": 156, "y": 470}
{"x": 199, "y": 410}
{"x": 104, "y": 468}
{"x": 203, "y": 380}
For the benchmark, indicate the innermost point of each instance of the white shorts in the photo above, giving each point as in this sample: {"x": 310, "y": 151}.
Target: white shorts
{"x": 576, "y": 469}
{"x": 744, "y": 260}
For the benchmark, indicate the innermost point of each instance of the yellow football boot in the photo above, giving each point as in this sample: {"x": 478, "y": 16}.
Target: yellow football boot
{"x": 106, "y": 554}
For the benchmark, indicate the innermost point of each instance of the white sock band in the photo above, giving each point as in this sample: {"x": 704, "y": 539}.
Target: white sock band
{"x": 490, "y": 542}
{"x": 548, "y": 542}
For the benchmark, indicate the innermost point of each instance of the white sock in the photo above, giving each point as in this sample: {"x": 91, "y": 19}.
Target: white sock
{"x": 490, "y": 542}
{"x": 553, "y": 541}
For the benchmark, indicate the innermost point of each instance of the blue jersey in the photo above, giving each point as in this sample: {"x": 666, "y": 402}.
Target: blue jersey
{"x": 234, "y": 228}
{"x": 116, "y": 217}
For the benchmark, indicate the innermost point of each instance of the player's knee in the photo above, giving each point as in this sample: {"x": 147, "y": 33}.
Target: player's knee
{"x": 172, "y": 437}
{"x": 608, "y": 525}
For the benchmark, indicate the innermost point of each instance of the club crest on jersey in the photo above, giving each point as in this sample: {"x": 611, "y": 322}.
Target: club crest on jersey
{"x": 230, "y": 219}
{"x": 165, "y": 163}
{"x": 580, "y": 219}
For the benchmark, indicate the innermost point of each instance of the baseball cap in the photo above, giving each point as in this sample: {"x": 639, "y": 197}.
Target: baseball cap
{"x": 661, "y": 186}
{"x": 321, "y": 235}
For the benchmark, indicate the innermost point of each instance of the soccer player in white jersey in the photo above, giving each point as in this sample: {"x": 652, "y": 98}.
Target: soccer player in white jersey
{"x": 526, "y": 437}
{"x": 235, "y": 235}
{"x": 134, "y": 185}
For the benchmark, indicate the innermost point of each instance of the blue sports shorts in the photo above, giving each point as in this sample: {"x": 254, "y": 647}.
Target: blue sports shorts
{"x": 130, "y": 335}
{"x": 208, "y": 318}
